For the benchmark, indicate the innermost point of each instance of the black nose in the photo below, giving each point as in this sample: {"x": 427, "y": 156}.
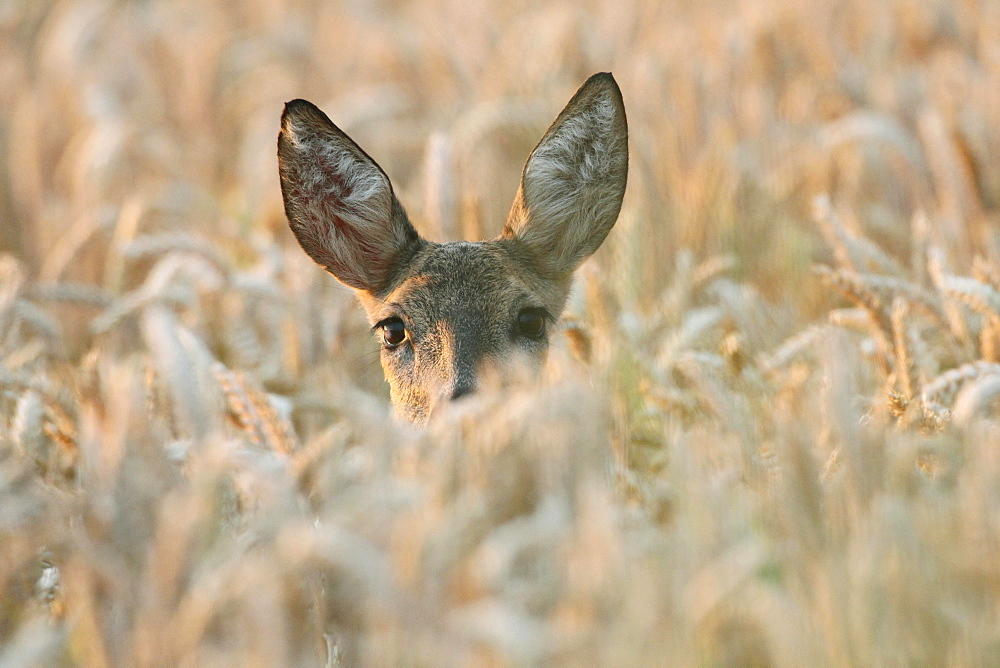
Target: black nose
{"x": 462, "y": 390}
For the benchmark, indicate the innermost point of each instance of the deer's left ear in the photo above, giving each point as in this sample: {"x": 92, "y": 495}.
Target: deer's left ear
{"x": 574, "y": 181}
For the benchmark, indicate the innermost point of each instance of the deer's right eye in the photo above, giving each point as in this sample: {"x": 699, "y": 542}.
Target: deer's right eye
{"x": 531, "y": 323}
{"x": 393, "y": 332}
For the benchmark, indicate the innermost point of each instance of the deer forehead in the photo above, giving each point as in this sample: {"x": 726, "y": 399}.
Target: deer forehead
{"x": 464, "y": 283}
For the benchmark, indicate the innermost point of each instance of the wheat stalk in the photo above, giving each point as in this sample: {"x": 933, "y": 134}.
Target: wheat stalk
{"x": 793, "y": 347}
{"x": 904, "y": 361}
{"x": 253, "y": 412}
{"x": 947, "y": 384}
{"x": 73, "y": 293}
{"x": 978, "y": 296}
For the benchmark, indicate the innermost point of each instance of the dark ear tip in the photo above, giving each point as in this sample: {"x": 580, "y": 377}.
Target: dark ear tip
{"x": 604, "y": 80}
{"x": 303, "y": 111}
{"x": 299, "y": 105}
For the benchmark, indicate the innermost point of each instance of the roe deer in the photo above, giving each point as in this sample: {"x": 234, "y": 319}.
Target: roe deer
{"x": 446, "y": 312}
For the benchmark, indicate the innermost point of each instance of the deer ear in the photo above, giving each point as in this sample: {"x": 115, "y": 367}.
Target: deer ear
{"x": 573, "y": 182}
{"x": 340, "y": 204}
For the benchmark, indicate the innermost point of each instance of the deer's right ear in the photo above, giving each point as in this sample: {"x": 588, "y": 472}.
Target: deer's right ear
{"x": 339, "y": 202}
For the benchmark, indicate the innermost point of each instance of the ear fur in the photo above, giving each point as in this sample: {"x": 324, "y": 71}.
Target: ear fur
{"x": 574, "y": 181}
{"x": 339, "y": 203}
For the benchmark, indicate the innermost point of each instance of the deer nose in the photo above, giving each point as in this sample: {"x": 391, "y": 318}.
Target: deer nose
{"x": 460, "y": 353}
{"x": 462, "y": 390}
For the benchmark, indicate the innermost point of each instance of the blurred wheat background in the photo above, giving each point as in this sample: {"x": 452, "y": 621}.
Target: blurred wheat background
{"x": 768, "y": 431}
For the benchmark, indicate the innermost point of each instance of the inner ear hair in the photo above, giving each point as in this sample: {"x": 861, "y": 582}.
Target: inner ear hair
{"x": 574, "y": 180}
{"x": 339, "y": 203}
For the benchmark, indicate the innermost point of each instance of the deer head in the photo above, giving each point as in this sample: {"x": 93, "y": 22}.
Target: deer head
{"x": 445, "y": 314}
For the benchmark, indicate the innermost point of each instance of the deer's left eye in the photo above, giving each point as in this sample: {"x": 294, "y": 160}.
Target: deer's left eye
{"x": 393, "y": 332}
{"x": 531, "y": 323}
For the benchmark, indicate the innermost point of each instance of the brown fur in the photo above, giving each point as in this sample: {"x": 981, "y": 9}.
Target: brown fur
{"x": 460, "y": 302}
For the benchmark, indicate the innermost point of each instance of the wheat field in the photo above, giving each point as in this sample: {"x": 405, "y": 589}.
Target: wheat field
{"x": 768, "y": 429}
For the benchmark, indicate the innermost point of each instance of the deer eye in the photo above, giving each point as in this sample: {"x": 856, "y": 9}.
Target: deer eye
{"x": 531, "y": 323}
{"x": 393, "y": 332}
